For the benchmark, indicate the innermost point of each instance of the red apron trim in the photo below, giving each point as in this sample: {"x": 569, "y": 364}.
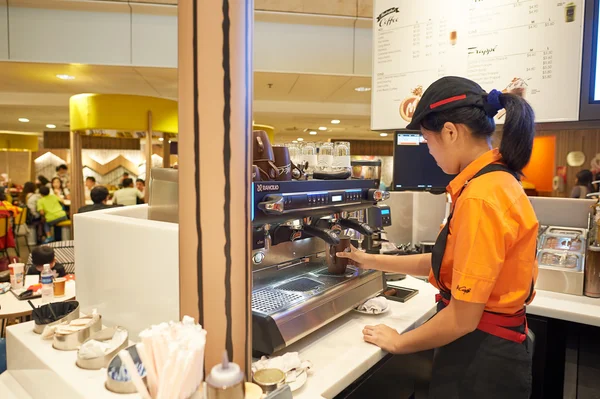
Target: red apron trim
{"x": 496, "y": 324}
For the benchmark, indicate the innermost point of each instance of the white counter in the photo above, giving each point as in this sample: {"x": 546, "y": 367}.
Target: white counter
{"x": 337, "y": 351}
{"x": 574, "y": 308}
{"x": 40, "y": 369}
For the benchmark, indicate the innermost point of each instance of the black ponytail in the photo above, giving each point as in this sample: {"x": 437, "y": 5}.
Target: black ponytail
{"x": 518, "y": 132}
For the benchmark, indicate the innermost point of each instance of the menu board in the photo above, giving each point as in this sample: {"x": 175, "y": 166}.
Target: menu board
{"x": 529, "y": 47}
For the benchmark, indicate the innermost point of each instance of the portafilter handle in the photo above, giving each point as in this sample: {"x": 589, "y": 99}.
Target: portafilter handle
{"x": 354, "y": 224}
{"x": 272, "y": 205}
{"x": 327, "y": 235}
{"x": 377, "y": 195}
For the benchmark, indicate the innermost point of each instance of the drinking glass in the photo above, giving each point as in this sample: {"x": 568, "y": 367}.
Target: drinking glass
{"x": 325, "y": 157}
{"x": 295, "y": 153}
{"x": 309, "y": 155}
{"x": 341, "y": 157}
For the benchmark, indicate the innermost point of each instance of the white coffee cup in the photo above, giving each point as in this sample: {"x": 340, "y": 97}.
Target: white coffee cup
{"x": 17, "y": 275}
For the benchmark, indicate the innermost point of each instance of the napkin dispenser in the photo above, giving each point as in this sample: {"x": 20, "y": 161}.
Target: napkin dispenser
{"x": 163, "y": 199}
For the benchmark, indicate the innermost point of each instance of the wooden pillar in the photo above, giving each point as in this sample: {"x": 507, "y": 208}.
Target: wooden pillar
{"x": 215, "y": 118}
{"x": 148, "y": 155}
{"x": 77, "y": 190}
{"x": 166, "y": 150}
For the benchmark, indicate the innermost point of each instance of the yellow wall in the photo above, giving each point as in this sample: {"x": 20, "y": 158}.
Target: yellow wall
{"x": 541, "y": 168}
{"x": 18, "y": 142}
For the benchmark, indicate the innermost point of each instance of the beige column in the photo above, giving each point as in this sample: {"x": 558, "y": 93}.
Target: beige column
{"x": 148, "y": 155}
{"x": 215, "y": 118}
{"x": 166, "y": 150}
{"x": 77, "y": 191}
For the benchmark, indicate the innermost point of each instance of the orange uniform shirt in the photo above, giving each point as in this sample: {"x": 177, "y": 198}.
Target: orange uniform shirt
{"x": 490, "y": 254}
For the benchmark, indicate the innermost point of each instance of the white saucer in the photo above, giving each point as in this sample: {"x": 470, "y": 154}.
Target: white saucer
{"x": 371, "y": 313}
{"x": 300, "y": 381}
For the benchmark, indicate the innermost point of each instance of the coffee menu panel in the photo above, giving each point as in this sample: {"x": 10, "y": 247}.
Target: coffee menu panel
{"x": 529, "y": 47}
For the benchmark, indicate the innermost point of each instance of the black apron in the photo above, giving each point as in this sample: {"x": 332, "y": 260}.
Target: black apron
{"x": 494, "y": 361}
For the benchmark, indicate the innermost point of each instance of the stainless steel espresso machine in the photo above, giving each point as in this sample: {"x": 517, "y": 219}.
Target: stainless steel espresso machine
{"x": 294, "y": 224}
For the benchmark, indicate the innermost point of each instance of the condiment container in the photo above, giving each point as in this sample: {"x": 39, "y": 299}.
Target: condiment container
{"x": 562, "y": 242}
{"x": 225, "y": 381}
{"x": 115, "y": 370}
{"x": 269, "y": 379}
{"x": 65, "y": 311}
{"x": 72, "y": 341}
{"x": 99, "y": 362}
{"x": 562, "y": 259}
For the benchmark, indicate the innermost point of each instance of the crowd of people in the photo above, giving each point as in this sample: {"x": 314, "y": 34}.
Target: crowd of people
{"x": 45, "y": 200}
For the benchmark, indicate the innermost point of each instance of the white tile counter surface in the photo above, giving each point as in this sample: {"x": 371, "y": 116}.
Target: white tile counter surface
{"x": 337, "y": 351}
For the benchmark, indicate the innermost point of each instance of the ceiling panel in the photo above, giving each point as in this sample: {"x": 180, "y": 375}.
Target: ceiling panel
{"x": 316, "y": 87}
{"x": 348, "y": 94}
{"x": 274, "y": 86}
{"x": 35, "y": 83}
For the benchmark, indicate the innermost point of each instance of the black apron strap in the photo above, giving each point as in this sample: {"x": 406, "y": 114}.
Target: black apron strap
{"x": 437, "y": 253}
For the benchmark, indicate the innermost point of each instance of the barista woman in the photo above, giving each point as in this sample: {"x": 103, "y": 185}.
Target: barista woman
{"x": 483, "y": 261}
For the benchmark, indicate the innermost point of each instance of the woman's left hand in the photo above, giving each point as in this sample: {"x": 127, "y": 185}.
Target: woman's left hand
{"x": 383, "y": 336}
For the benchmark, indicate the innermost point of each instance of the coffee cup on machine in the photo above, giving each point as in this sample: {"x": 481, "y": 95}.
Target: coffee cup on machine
{"x": 283, "y": 163}
{"x": 266, "y": 169}
{"x": 255, "y": 173}
{"x": 261, "y": 147}
{"x": 335, "y": 264}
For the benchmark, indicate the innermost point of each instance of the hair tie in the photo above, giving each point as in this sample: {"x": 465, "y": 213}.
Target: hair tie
{"x": 492, "y": 103}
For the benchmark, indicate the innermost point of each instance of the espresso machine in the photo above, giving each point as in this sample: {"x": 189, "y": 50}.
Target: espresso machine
{"x": 295, "y": 224}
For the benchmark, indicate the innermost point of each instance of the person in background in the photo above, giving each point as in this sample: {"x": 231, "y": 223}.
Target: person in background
{"x": 583, "y": 184}
{"x": 99, "y": 196}
{"x": 90, "y": 183}
{"x": 29, "y": 198}
{"x": 128, "y": 195}
{"x": 8, "y": 206}
{"x": 140, "y": 184}
{"x": 59, "y": 190}
{"x": 51, "y": 208}
{"x": 44, "y": 255}
{"x": 62, "y": 172}
{"x": 42, "y": 181}
{"x": 125, "y": 176}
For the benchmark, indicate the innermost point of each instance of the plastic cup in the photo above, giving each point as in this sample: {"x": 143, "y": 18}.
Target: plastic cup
{"x": 59, "y": 286}
{"x": 17, "y": 275}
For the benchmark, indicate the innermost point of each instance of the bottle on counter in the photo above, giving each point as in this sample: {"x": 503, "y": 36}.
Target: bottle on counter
{"x": 47, "y": 280}
{"x": 225, "y": 381}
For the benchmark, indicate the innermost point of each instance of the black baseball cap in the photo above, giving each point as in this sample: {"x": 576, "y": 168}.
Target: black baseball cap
{"x": 448, "y": 93}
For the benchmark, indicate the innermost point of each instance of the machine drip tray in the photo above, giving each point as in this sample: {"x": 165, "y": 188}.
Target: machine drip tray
{"x": 351, "y": 271}
{"x": 301, "y": 284}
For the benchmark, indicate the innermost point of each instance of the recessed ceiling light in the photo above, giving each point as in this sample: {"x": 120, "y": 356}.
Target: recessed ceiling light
{"x": 161, "y": 139}
{"x": 312, "y": 133}
{"x": 24, "y": 120}
{"x": 300, "y": 139}
{"x": 383, "y": 134}
{"x": 362, "y": 88}
{"x": 335, "y": 121}
{"x": 323, "y": 128}
{"x": 65, "y": 77}
{"x": 51, "y": 126}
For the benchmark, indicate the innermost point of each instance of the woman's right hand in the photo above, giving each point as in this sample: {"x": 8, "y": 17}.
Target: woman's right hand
{"x": 358, "y": 258}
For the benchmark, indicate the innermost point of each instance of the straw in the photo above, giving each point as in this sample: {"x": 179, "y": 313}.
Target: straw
{"x": 136, "y": 378}
{"x": 174, "y": 355}
{"x": 148, "y": 363}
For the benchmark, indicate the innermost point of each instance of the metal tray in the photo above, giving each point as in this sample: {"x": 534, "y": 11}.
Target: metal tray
{"x": 560, "y": 259}
{"x": 72, "y": 341}
{"x": 573, "y": 231}
{"x": 39, "y": 328}
{"x": 115, "y": 363}
{"x": 561, "y": 242}
{"x": 99, "y": 362}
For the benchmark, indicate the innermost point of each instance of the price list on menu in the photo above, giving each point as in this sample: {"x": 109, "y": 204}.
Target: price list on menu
{"x": 528, "y": 47}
